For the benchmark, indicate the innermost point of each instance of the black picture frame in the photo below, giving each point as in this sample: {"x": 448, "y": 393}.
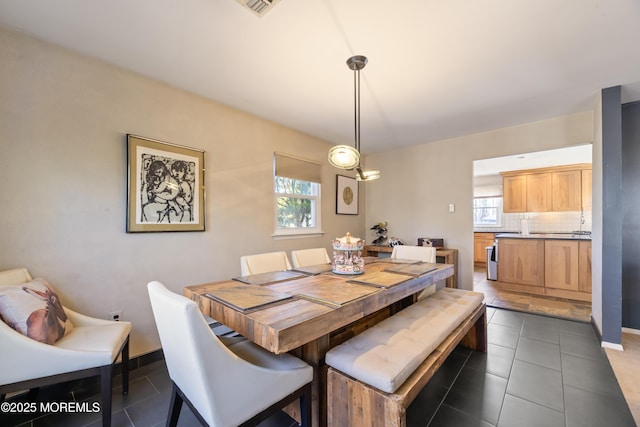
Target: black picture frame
{"x": 165, "y": 186}
{"x": 346, "y": 195}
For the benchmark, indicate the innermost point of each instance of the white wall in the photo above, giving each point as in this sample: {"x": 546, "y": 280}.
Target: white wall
{"x": 596, "y": 235}
{"x": 63, "y": 121}
{"x": 418, "y": 183}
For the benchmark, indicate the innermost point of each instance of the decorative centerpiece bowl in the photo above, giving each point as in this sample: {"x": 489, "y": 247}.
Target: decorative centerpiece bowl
{"x": 347, "y": 255}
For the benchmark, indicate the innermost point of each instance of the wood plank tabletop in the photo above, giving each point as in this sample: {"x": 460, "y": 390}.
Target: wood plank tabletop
{"x": 246, "y": 297}
{"x": 313, "y": 269}
{"x": 383, "y": 279}
{"x": 324, "y": 289}
{"x": 270, "y": 277}
{"x": 416, "y": 269}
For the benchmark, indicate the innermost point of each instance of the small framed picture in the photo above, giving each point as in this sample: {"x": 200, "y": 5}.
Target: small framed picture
{"x": 346, "y": 195}
{"x": 165, "y": 186}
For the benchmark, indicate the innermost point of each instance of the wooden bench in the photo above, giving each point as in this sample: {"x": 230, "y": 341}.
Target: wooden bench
{"x": 390, "y": 357}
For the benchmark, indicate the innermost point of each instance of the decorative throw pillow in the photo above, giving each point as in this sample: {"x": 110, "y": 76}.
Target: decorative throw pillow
{"x": 34, "y": 310}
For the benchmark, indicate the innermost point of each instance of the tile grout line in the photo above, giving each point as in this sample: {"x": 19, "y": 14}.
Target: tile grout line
{"x": 448, "y": 390}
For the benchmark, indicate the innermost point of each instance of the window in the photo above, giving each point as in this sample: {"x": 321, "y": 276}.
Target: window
{"x": 487, "y": 211}
{"x": 297, "y": 196}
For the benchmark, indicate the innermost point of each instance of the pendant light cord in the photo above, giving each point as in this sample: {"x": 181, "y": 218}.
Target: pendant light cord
{"x": 356, "y": 113}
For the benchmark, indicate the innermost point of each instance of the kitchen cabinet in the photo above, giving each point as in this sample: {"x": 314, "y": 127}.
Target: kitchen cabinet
{"x": 566, "y": 190}
{"x": 553, "y": 189}
{"x": 521, "y": 261}
{"x": 539, "y": 190}
{"x": 584, "y": 267}
{"x": 586, "y": 188}
{"x": 557, "y": 267}
{"x": 514, "y": 194}
{"x": 561, "y": 264}
{"x": 480, "y": 243}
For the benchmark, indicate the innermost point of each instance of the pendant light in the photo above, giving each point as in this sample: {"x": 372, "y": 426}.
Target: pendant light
{"x": 345, "y": 156}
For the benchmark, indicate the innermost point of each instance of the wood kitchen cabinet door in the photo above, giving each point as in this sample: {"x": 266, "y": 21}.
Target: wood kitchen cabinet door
{"x": 521, "y": 261}
{"x": 514, "y": 194}
{"x": 566, "y": 190}
{"x": 539, "y": 195}
{"x": 584, "y": 265}
{"x": 586, "y": 188}
{"x": 480, "y": 243}
{"x": 561, "y": 264}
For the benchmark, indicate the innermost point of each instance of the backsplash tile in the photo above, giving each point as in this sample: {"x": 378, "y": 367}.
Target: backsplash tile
{"x": 543, "y": 222}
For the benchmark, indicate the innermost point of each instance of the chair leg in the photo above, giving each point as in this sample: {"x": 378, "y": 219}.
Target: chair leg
{"x": 305, "y": 407}
{"x": 105, "y": 385}
{"x": 32, "y": 394}
{"x": 125, "y": 367}
{"x": 174, "y": 407}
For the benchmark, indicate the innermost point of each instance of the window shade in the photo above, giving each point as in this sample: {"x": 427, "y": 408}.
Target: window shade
{"x": 295, "y": 168}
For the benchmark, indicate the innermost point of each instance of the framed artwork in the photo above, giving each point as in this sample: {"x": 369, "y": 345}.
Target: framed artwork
{"x": 165, "y": 186}
{"x": 346, "y": 195}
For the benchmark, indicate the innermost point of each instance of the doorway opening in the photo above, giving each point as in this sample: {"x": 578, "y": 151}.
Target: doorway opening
{"x": 490, "y": 220}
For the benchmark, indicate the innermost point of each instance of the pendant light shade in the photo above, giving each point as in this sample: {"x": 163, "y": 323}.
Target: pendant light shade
{"x": 345, "y": 156}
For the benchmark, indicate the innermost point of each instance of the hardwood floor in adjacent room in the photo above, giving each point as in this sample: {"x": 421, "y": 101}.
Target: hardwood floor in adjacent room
{"x": 529, "y": 303}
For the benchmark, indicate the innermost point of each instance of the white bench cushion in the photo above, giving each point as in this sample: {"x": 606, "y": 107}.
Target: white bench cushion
{"x": 385, "y": 355}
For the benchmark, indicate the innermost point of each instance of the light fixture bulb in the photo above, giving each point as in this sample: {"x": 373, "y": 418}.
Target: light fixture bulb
{"x": 344, "y": 157}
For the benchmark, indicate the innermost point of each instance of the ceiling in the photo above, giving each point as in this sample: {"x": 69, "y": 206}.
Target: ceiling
{"x": 540, "y": 159}
{"x": 437, "y": 69}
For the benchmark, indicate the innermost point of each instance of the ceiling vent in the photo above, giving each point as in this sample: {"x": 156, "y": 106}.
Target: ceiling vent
{"x": 259, "y": 7}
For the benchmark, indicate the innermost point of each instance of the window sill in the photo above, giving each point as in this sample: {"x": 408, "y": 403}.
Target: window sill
{"x": 297, "y": 234}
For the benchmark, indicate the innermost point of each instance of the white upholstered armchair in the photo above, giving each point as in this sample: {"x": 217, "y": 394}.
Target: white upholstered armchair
{"x": 236, "y": 384}
{"x": 306, "y": 257}
{"x": 91, "y": 348}
{"x": 264, "y": 263}
{"x": 417, "y": 253}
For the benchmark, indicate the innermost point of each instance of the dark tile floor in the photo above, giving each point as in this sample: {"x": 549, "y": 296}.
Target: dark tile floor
{"x": 538, "y": 371}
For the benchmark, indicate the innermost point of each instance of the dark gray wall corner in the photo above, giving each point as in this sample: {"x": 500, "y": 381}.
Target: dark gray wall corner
{"x": 612, "y": 215}
{"x": 631, "y": 215}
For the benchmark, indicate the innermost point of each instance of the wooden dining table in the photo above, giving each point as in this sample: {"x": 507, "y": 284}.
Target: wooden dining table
{"x": 308, "y": 311}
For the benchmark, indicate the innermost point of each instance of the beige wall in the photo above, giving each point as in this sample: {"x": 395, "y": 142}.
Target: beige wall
{"x": 63, "y": 121}
{"x": 418, "y": 183}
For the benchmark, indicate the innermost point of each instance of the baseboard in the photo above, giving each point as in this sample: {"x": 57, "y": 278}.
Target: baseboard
{"x": 631, "y": 331}
{"x": 595, "y": 328}
{"x": 605, "y": 344}
{"x": 142, "y": 360}
{"x": 612, "y": 346}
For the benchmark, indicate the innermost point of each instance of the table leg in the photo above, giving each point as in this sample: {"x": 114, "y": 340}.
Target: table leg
{"x": 313, "y": 353}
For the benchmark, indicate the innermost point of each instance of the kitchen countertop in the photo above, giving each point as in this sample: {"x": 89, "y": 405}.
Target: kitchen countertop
{"x": 564, "y": 236}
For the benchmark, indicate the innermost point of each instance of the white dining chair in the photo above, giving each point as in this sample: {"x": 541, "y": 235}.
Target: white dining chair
{"x": 417, "y": 253}
{"x": 305, "y": 257}
{"x": 239, "y": 384}
{"x": 90, "y": 349}
{"x": 264, "y": 263}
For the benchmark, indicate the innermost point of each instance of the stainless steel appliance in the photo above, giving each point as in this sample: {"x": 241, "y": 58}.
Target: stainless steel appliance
{"x": 492, "y": 262}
